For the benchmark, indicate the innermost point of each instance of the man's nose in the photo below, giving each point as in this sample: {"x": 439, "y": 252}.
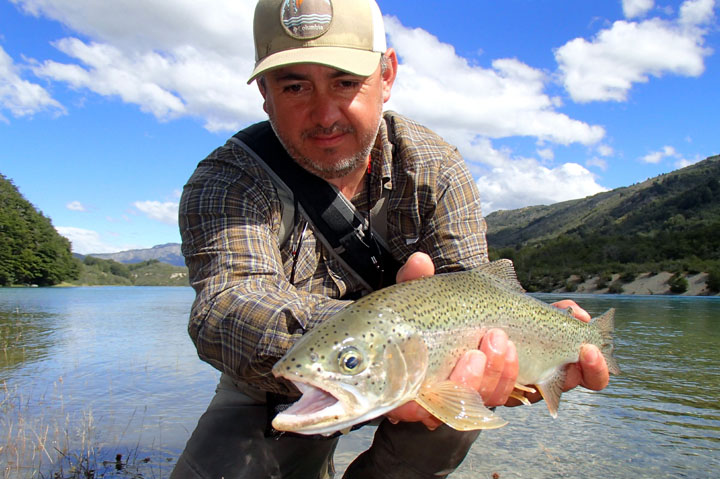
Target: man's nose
{"x": 326, "y": 111}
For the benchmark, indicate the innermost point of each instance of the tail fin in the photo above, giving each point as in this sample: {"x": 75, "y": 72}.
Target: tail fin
{"x": 605, "y": 324}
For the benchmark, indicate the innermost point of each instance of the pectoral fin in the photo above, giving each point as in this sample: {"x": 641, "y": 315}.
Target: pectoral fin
{"x": 406, "y": 364}
{"x": 551, "y": 390}
{"x": 457, "y": 406}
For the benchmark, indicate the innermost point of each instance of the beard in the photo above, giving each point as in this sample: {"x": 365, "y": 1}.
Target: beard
{"x": 339, "y": 167}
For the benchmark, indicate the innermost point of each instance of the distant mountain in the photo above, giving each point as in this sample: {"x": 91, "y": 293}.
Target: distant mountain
{"x": 683, "y": 198}
{"x": 166, "y": 253}
{"x": 108, "y": 272}
{"x": 668, "y": 223}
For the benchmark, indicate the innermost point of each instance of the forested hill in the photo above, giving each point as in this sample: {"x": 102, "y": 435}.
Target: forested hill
{"x": 31, "y": 251}
{"x": 670, "y": 221}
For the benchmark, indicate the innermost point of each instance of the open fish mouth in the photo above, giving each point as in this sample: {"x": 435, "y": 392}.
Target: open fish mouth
{"x": 314, "y": 402}
{"x": 319, "y": 411}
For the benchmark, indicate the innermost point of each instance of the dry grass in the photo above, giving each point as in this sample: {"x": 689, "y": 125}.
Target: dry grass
{"x": 64, "y": 447}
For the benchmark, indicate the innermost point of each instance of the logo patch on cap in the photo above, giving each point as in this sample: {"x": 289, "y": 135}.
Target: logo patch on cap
{"x": 306, "y": 19}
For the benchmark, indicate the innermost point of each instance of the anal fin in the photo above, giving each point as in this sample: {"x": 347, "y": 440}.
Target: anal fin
{"x": 458, "y": 406}
{"x": 551, "y": 390}
{"x": 519, "y": 393}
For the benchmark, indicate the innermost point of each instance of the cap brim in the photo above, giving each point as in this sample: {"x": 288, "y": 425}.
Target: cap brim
{"x": 357, "y": 62}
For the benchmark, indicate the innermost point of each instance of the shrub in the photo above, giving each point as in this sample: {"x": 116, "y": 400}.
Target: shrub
{"x": 678, "y": 283}
{"x": 713, "y": 280}
{"x": 616, "y": 287}
{"x": 628, "y": 276}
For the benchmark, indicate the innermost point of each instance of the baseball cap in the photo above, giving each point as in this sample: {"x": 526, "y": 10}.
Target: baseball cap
{"x": 348, "y": 35}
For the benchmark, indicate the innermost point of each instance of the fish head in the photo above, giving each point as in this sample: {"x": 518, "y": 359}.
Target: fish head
{"x": 352, "y": 368}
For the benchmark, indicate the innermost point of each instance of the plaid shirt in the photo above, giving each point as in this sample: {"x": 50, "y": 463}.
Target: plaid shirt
{"x": 247, "y": 313}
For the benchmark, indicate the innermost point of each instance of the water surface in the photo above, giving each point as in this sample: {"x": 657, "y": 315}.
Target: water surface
{"x": 113, "y": 367}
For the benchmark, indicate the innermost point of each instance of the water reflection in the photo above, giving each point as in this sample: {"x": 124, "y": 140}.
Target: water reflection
{"x": 25, "y": 337}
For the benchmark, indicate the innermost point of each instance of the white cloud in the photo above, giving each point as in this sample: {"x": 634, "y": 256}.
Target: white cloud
{"x": 696, "y": 12}
{"x": 636, "y": 8}
{"x": 605, "y": 150}
{"x": 546, "y": 154}
{"x": 85, "y": 241}
{"x": 506, "y": 100}
{"x": 683, "y": 162}
{"x": 657, "y": 156}
{"x": 669, "y": 152}
{"x": 75, "y": 206}
{"x": 596, "y": 163}
{"x": 525, "y": 182}
{"x": 21, "y": 97}
{"x": 180, "y": 59}
{"x": 606, "y": 68}
{"x": 469, "y": 105}
{"x": 165, "y": 212}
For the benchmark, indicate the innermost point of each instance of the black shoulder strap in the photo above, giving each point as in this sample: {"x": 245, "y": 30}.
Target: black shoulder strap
{"x": 335, "y": 219}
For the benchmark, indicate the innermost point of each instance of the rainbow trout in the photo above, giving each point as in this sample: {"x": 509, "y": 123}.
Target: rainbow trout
{"x": 401, "y": 343}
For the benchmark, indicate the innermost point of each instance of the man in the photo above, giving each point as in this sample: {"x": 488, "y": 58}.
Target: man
{"x": 324, "y": 72}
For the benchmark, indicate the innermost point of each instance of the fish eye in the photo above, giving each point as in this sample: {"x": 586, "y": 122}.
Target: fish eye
{"x": 350, "y": 361}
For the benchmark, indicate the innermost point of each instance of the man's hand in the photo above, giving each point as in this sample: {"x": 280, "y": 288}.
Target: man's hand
{"x": 491, "y": 370}
{"x": 590, "y": 372}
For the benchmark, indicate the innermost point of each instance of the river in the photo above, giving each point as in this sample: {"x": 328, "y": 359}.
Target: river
{"x": 96, "y": 372}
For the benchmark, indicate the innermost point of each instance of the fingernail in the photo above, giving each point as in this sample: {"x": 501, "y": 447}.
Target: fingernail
{"x": 477, "y": 362}
{"x": 590, "y": 356}
{"x": 497, "y": 342}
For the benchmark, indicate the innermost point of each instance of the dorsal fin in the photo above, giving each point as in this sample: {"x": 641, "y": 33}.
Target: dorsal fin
{"x": 503, "y": 271}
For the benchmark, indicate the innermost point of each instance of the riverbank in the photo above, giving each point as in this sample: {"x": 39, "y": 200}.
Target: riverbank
{"x": 643, "y": 284}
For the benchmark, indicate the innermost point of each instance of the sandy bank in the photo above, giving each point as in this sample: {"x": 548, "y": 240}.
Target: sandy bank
{"x": 646, "y": 284}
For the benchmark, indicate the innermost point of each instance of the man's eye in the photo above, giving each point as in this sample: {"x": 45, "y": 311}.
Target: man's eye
{"x": 349, "y": 84}
{"x": 294, "y": 88}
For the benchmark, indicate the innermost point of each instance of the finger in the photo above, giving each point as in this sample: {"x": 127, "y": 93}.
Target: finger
{"x": 508, "y": 378}
{"x": 494, "y": 344}
{"x": 432, "y": 423}
{"x": 595, "y": 374}
{"x": 413, "y": 412}
{"x": 577, "y": 311}
{"x": 470, "y": 369}
{"x": 418, "y": 265}
{"x": 590, "y": 371}
{"x": 408, "y": 412}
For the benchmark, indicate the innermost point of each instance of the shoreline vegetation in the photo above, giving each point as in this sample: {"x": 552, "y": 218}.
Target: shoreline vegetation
{"x": 103, "y": 272}
{"x": 69, "y": 448}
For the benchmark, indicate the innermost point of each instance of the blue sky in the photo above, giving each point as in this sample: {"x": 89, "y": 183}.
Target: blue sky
{"x": 106, "y": 107}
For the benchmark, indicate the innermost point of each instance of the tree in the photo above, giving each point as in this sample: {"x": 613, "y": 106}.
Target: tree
{"x": 31, "y": 250}
{"x": 678, "y": 283}
{"x": 713, "y": 280}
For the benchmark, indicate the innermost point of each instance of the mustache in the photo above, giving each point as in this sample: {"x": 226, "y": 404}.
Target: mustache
{"x": 332, "y": 130}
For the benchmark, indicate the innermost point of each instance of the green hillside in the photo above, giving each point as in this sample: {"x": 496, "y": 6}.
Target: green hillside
{"x": 669, "y": 223}
{"x": 106, "y": 272}
{"x": 31, "y": 251}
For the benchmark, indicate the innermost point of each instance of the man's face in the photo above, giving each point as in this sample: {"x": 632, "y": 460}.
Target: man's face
{"x": 325, "y": 118}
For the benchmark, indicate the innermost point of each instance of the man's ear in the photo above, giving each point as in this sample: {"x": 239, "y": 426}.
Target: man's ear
{"x": 263, "y": 90}
{"x": 388, "y": 77}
